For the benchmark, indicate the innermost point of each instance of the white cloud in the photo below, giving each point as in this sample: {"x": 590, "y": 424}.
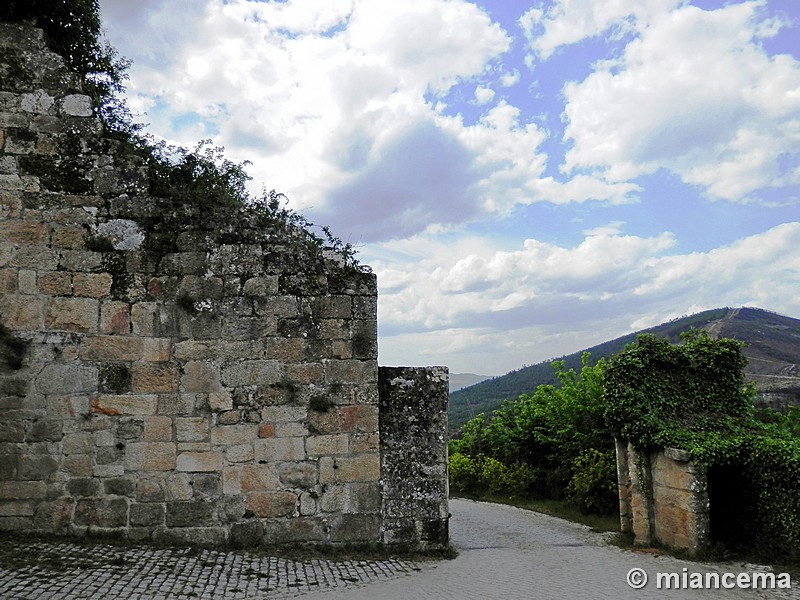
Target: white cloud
{"x": 510, "y": 79}
{"x": 490, "y": 302}
{"x": 328, "y": 100}
{"x": 483, "y": 95}
{"x": 694, "y": 94}
{"x": 571, "y": 21}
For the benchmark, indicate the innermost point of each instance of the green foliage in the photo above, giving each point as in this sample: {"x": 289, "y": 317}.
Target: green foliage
{"x": 477, "y": 475}
{"x": 593, "y": 487}
{"x": 693, "y": 397}
{"x": 658, "y": 392}
{"x": 202, "y": 175}
{"x": 558, "y": 434}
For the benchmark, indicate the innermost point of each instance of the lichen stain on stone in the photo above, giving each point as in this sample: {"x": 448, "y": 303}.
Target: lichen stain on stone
{"x": 123, "y": 234}
{"x": 103, "y": 410}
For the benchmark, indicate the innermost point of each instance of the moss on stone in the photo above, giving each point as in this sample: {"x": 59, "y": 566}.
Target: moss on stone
{"x": 12, "y": 349}
{"x": 114, "y": 378}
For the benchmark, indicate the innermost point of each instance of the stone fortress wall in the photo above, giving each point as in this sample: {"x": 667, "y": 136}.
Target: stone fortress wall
{"x": 177, "y": 374}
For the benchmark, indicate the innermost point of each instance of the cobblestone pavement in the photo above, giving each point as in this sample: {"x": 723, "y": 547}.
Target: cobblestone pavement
{"x": 504, "y": 552}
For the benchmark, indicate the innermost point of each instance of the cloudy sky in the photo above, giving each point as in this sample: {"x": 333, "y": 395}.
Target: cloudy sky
{"x": 526, "y": 177}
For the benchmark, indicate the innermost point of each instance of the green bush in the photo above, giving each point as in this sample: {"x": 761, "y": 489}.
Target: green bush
{"x": 593, "y": 487}
{"x": 73, "y": 29}
{"x": 546, "y": 444}
{"x": 485, "y": 475}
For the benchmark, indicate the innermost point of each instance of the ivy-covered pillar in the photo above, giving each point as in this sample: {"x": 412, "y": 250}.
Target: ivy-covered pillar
{"x": 636, "y": 510}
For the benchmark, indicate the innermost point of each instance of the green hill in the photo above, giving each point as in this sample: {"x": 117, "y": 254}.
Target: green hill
{"x": 772, "y": 347}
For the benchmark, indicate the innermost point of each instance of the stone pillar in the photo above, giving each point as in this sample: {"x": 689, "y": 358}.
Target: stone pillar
{"x": 680, "y": 500}
{"x": 413, "y": 442}
{"x": 624, "y": 487}
{"x": 663, "y": 497}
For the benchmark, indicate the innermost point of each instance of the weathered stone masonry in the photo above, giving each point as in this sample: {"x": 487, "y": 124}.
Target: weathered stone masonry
{"x": 663, "y": 497}
{"x": 187, "y": 375}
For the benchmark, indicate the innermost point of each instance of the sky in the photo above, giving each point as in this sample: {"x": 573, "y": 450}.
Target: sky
{"x": 527, "y": 178}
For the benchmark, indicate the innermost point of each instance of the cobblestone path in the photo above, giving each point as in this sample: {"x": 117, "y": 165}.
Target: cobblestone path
{"x": 504, "y": 552}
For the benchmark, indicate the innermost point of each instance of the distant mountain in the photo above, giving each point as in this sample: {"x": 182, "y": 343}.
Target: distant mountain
{"x": 462, "y": 380}
{"x": 772, "y": 347}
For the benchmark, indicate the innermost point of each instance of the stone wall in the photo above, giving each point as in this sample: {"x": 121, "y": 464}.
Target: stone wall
{"x": 169, "y": 372}
{"x": 413, "y": 424}
{"x": 663, "y": 498}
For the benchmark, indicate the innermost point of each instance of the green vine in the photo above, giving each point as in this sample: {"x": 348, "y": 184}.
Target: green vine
{"x": 693, "y": 396}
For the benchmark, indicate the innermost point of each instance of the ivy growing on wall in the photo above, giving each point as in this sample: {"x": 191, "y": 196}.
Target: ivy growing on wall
{"x": 693, "y": 396}
{"x": 201, "y": 177}
{"x": 660, "y": 394}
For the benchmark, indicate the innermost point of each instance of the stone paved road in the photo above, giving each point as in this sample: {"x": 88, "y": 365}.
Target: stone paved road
{"x": 504, "y": 552}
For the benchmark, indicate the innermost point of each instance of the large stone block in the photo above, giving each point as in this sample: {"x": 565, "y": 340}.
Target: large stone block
{"x": 20, "y": 490}
{"x": 351, "y": 372}
{"x": 190, "y": 513}
{"x": 280, "y": 449}
{"x": 253, "y": 477}
{"x": 299, "y": 474}
{"x": 115, "y": 318}
{"x": 271, "y": 504}
{"x": 365, "y": 467}
{"x": 158, "y": 428}
{"x": 112, "y": 347}
{"x": 200, "y": 377}
{"x": 133, "y": 404}
{"x": 147, "y": 515}
{"x": 55, "y": 283}
{"x": 156, "y": 349}
{"x": 150, "y": 490}
{"x": 199, "y": 461}
{"x": 327, "y": 445}
{"x": 91, "y": 285}
{"x": 355, "y": 528}
{"x": 72, "y": 314}
{"x": 8, "y": 281}
{"x": 192, "y": 429}
{"x": 252, "y": 372}
{"x": 59, "y": 379}
{"x": 22, "y": 313}
{"x": 359, "y": 418}
{"x": 20, "y": 508}
{"x": 54, "y": 515}
{"x": 150, "y": 456}
{"x": 234, "y": 435}
{"x": 102, "y": 512}
{"x": 24, "y": 232}
{"x": 155, "y": 378}
{"x": 36, "y": 467}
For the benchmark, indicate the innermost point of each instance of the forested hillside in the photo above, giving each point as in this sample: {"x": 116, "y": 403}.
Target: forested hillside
{"x": 772, "y": 348}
